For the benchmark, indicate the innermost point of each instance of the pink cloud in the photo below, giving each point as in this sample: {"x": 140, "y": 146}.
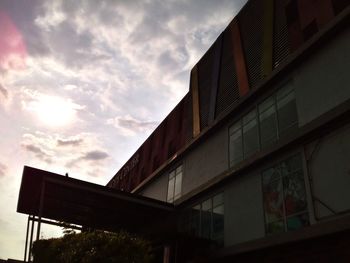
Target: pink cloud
{"x": 13, "y": 50}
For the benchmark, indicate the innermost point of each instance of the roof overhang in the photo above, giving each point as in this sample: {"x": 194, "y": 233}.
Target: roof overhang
{"x": 57, "y": 197}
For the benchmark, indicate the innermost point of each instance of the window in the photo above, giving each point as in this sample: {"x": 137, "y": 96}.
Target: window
{"x": 268, "y": 122}
{"x": 275, "y": 117}
{"x": 236, "y": 143}
{"x": 250, "y": 134}
{"x": 174, "y": 184}
{"x": 207, "y": 219}
{"x": 286, "y": 109}
{"x": 244, "y": 138}
{"x": 285, "y": 204}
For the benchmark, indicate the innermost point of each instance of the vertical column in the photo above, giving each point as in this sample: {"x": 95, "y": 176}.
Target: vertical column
{"x": 195, "y": 101}
{"x": 267, "y": 38}
{"x": 215, "y": 78}
{"x": 26, "y": 245}
{"x": 41, "y": 204}
{"x": 239, "y": 59}
{"x": 166, "y": 254}
{"x": 31, "y": 240}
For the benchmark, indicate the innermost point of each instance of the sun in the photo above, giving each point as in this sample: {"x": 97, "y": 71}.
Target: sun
{"x": 55, "y": 111}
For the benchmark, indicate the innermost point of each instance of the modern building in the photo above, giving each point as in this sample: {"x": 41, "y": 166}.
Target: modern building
{"x": 253, "y": 164}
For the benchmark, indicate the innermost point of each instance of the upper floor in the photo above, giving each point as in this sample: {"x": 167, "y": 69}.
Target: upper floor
{"x": 249, "y": 54}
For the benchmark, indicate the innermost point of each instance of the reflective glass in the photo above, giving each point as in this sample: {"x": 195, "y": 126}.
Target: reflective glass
{"x": 236, "y": 148}
{"x": 250, "y": 134}
{"x": 218, "y": 223}
{"x": 178, "y": 184}
{"x": 286, "y": 107}
{"x": 218, "y": 199}
{"x": 206, "y": 224}
{"x": 297, "y": 222}
{"x": 270, "y": 174}
{"x": 171, "y": 185}
{"x": 273, "y": 200}
{"x": 268, "y": 124}
{"x": 275, "y": 227}
{"x": 294, "y": 193}
{"x": 195, "y": 220}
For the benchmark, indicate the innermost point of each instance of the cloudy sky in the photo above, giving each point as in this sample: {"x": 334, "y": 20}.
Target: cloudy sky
{"x": 83, "y": 83}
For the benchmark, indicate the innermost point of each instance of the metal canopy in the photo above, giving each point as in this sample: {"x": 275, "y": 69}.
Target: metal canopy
{"x": 57, "y": 197}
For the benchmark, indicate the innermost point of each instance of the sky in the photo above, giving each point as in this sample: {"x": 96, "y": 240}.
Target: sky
{"x": 84, "y": 83}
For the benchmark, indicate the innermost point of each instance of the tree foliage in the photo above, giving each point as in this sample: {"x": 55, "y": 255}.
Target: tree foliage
{"x": 93, "y": 247}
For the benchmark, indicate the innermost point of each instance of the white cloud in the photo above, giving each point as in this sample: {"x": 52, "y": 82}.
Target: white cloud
{"x": 79, "y": 153}
{"x": 129, "y": 126}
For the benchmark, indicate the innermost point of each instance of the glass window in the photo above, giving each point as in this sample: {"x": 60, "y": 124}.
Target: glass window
{"x": 178, "y": 183}
{"x": 250, "y": 134}
{"x": 284, "y": 194}
{"x": 236, "y": 144}
{"x": 218, "y": 218}
{"x": 268, "y": 122}
{"x": 207, "y": 219}
{"x": 286, "y": 108}
{"x": 174, "y": 184}
{"x": 171, "y": 185}
{"x": 275, "y": 117}
{"x": 195, "y": 220}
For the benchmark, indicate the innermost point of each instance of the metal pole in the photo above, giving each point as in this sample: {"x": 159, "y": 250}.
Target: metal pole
{"x": 26, "y": 246}
{"x": 31, "y": 240}
{"x": 40, "y": 209}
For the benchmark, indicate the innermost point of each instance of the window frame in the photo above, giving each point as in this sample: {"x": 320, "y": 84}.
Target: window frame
{"x": 174, "y": 174}
{"x": 284, "y": 218}
{"x": 256, "y": 108}
{"x": 199, "y": 227}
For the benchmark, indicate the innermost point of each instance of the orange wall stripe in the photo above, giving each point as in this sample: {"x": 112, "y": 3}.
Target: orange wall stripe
{"x": 195, "y": 101}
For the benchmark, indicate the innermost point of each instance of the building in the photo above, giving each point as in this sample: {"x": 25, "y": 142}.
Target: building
{"x": 253, "y": 164}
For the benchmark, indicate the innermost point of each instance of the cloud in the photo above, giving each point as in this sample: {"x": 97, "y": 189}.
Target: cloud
{"x": 130, "y": 126}
{"x": 69, "y": 142}
{"x": 38, "y": 152}
{"x": 3, "y": 170}
{"x": 3, "y": 91}
{"x": 95, "y": 156}
{"x": 91, "y": 158}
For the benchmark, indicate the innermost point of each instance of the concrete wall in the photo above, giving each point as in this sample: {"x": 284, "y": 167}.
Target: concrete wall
{"x": 329, "y": 168}
{"x": 206, "y": 161}
{"x": 157, "y": 189}
{"x": 323, "y": 82}
{"x": 244, "y": 214}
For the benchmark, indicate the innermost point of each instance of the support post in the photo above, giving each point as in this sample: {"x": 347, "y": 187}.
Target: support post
{"x": 26, "y": 245}
{"x": 40, "y": 209}
{"x": 31, "y": 240}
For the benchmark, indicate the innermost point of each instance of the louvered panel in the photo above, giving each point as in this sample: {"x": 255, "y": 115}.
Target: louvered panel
{"x": 281, "y": 45}
{"x": 228, "y": 86}
{"x": 205, "y": 76}
{"x": 339, "y": 5}
{"x": 251, "y": 26}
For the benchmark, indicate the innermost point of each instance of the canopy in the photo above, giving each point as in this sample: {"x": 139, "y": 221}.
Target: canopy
{"x": 57, "y": 197}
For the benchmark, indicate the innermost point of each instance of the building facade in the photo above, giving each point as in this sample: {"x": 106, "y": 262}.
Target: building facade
{"x": 255, "y": 157}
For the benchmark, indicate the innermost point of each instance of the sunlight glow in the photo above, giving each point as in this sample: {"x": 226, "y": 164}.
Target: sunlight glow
{"x": 54, "y": 111}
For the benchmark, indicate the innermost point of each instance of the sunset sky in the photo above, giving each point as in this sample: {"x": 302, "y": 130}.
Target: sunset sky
{"x": 83, "y": 83}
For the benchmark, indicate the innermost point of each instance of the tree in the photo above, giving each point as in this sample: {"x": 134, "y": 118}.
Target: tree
{"x": 93, "y": 247}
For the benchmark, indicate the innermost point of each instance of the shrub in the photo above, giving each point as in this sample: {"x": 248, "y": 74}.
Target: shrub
{"x": 93, "y": 247}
